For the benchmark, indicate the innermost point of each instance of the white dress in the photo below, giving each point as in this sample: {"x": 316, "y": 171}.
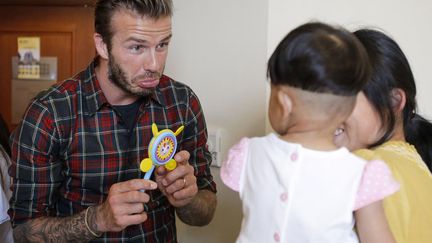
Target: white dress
{"x": 293, "y": 194}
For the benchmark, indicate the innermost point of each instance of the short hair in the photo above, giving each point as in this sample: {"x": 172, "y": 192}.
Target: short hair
{"x": 105, "y": 9}
{"x": 320, "y": 58}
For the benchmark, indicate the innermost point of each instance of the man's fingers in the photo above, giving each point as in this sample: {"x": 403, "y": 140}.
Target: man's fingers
{"x": 161, "y": 171}
{"x": 133, "y": 185}
{"x": 129, "y": 197}
{"x": 132, "y": 208}
{"x": 182, "y": 157}
{"x": 180, "y": 172}
{"x": 132, "y": 219}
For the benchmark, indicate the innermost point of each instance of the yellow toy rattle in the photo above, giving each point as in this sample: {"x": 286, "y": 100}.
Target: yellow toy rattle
{"x": 161, "y": 150}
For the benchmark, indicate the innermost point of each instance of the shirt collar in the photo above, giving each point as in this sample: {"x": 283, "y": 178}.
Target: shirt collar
{"x": 92, "y": 92}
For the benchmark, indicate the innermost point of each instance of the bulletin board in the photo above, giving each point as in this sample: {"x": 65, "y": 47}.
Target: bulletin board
{"x": 25, "y": 89}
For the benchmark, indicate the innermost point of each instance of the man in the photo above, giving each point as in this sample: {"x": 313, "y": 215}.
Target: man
{"x": 77, "y": 152}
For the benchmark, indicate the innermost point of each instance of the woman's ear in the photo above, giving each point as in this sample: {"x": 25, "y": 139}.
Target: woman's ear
{"x": 398, "y": 99}
{"x": 101, "y": 46}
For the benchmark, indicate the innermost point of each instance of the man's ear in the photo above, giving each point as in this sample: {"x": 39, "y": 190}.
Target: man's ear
{"x": 398, "y": 99}
{"x": 286, "y": 104}
{"x": 101, "y": 46}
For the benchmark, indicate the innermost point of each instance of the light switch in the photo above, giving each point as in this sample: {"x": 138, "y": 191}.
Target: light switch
{"x": 214, "y": 145}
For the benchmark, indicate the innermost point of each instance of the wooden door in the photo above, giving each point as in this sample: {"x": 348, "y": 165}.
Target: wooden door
{"x": 65, "y": 33}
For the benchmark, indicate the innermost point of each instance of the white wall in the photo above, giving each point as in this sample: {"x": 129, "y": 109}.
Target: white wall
{"x": 219, "y": 49}
{"x": 408, "y": 22}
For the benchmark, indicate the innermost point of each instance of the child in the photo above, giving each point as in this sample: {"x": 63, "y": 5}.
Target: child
{"x": 297, "y": 186}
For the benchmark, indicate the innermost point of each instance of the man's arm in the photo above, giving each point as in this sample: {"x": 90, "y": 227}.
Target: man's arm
{"x": 49, "y": 229}
{"x": 200, "y": 210}
{"x": 194, "y": 207}
{"x": 124, "y": 206}
{"x": 189, "y": 188}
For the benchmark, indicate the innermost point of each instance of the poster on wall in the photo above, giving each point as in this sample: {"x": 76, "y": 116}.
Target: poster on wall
{"x": 28, "y": 57}
{"x": 25, "y": 89}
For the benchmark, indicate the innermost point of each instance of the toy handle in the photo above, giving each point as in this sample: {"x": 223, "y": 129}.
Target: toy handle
{"x": 148, "y": 174}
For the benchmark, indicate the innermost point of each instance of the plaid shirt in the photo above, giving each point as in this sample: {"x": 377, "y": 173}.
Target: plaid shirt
{"x": 72, "y": 146}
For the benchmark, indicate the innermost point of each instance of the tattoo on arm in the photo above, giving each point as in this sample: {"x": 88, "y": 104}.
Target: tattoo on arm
{"x": 200, "y": 211}
{"x": 50, "y": 229}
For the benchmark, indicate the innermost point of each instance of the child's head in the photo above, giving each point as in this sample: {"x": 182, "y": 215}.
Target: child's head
{"x": 315, "y": 72}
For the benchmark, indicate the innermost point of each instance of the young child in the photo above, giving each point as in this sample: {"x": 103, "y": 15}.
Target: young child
{"x": 297, "y": 186}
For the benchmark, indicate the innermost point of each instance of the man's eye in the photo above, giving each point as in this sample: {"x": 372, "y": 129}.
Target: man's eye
{"x": 136, "y": 48}
{"x": 162, "y": 46}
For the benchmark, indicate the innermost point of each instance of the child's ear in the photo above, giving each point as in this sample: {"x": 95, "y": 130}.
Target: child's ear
{"x": 286, "y": 103}
{"x": 101, "y": 46}
{"x": 398, "y": 99}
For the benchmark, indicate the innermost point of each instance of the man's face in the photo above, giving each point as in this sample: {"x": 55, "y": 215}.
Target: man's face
{"x": 139, "y": 47}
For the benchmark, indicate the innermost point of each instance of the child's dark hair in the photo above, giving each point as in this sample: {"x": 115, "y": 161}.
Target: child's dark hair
{"x": 391, "y": 70}
{"x": 320, "y": 58}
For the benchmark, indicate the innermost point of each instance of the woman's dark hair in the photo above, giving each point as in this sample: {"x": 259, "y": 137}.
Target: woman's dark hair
{"x": 320, "y": 58}
{"x": 4, "y": 135}
{"x": 390, "y": 70}
{"x": 105, "y": 9}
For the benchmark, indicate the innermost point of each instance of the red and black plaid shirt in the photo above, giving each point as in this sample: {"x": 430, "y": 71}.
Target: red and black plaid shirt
{"x": 72, "y": 146}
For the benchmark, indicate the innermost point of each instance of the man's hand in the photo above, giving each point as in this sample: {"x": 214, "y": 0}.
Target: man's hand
{"x": 124, "y": 205}
{"x": 178, "y": 185}
{"x": 193, "y": 207}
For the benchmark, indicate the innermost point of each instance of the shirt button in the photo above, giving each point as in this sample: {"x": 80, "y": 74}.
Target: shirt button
{"x": 284, "y": 197}
{"x": 294, "y": 156}
{"x": 276, "y": 237}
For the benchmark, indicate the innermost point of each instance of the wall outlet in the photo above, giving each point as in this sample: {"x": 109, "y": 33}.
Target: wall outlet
{"x": 214, "y": 145}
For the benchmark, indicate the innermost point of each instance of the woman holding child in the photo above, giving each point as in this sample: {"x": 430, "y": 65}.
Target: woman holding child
{"x": 384, "y": 125}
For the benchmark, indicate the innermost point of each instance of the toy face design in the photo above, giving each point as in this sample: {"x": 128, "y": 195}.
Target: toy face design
{"x": 165, "y": 149}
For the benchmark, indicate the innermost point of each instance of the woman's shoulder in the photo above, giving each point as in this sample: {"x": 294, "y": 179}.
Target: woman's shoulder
{"x": 390, "y": 152}
{"x": 401, "y": 157}
{"x": 366, "y": 154}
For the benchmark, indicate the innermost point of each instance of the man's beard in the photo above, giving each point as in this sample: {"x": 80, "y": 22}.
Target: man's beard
{"x": 118, "y": 77}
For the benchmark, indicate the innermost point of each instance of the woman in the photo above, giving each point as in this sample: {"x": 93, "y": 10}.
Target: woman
{"x": 384, "y": 123}
{"x": 5, "y": 193}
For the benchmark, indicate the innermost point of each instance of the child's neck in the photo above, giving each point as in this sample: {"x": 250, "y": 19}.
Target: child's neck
{"x": 312, "y": 139}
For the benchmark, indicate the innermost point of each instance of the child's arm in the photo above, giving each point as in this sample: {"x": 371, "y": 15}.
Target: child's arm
{"x": 372, "y": 226}
{"x": 233, "y": 166}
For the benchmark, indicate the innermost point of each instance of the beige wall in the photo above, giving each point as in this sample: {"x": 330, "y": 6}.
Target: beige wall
{"x": 219, "y": 49}
{"x": 408, "y": 22}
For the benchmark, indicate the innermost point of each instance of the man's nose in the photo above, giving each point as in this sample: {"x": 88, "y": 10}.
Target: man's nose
{"x": 151, "y": 61}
